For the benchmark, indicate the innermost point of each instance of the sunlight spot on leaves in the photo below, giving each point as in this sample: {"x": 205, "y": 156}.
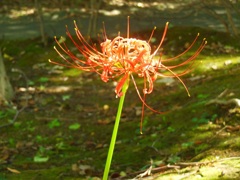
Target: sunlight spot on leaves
{"x": 40, "y": 159}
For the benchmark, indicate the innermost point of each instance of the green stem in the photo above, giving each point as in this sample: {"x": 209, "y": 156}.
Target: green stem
{"x": 115, "y": 130}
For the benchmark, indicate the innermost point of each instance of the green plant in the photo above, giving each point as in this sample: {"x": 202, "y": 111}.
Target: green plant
{"x": 54, "y": 123}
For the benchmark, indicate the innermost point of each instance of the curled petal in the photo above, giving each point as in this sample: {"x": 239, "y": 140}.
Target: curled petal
{"x": 150, "y": 84}
{"x": 104, "y": 76}
{"x": 118, "y": 89}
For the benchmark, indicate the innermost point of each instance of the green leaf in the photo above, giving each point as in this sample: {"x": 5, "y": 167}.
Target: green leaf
{"x": 173, "y": 159}
{"x": 54, "y": 123}
{"x": 31, "y": 83}
{"x": 43, "y": 79}
{"x": 2, "y": 114}
{"x": 202, "y": 96}
{"x": 187, "y": 144}
{"x": 39, "y": 138}
{"x": 11, "y": 141}
{"x": 66, "y": 97}
{"x": 40, "y": 159}
{"x": 170, "y": 129}
{"x": 74, "y": 126}
{"x": 17, "y": 124}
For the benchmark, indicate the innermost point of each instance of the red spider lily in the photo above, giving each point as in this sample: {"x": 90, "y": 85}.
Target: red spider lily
{"x": 123, "y": 57}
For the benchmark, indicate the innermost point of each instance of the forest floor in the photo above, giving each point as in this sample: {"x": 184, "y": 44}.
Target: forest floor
{"x": 60, "y": 122}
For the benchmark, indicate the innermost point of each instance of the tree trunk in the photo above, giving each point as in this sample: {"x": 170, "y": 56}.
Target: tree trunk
{"x": 38, "y": 9}
{"x": 92, "y": 27}
{"x": 229, "y": 8}
{"x": 6, "y": 91}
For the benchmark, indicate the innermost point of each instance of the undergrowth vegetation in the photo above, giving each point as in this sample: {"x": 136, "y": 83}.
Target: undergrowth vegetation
{"x": 67, "y": 116}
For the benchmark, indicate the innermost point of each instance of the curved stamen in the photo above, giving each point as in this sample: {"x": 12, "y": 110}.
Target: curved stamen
{"x": 149, "y": 40}
{"x": 122, "y": 57}
{"x": 142, "y": 99}
{"x": 163, "y": 37}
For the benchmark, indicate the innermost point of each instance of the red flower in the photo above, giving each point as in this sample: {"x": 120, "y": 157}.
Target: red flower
{"x": 123, "y": 57}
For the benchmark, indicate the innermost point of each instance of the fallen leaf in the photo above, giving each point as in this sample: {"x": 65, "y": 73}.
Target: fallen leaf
{"x": 74, "y": 126}
{"x": 13, "y": 170}
{"x": 75, "y": 167}
{"x": 103, "y": 122}
{"x": 83, "y": 169}
{"x": 99, "y": 145}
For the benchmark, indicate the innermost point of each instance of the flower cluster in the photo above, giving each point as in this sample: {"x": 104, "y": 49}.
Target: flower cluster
{"x": 121, "y": 57}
